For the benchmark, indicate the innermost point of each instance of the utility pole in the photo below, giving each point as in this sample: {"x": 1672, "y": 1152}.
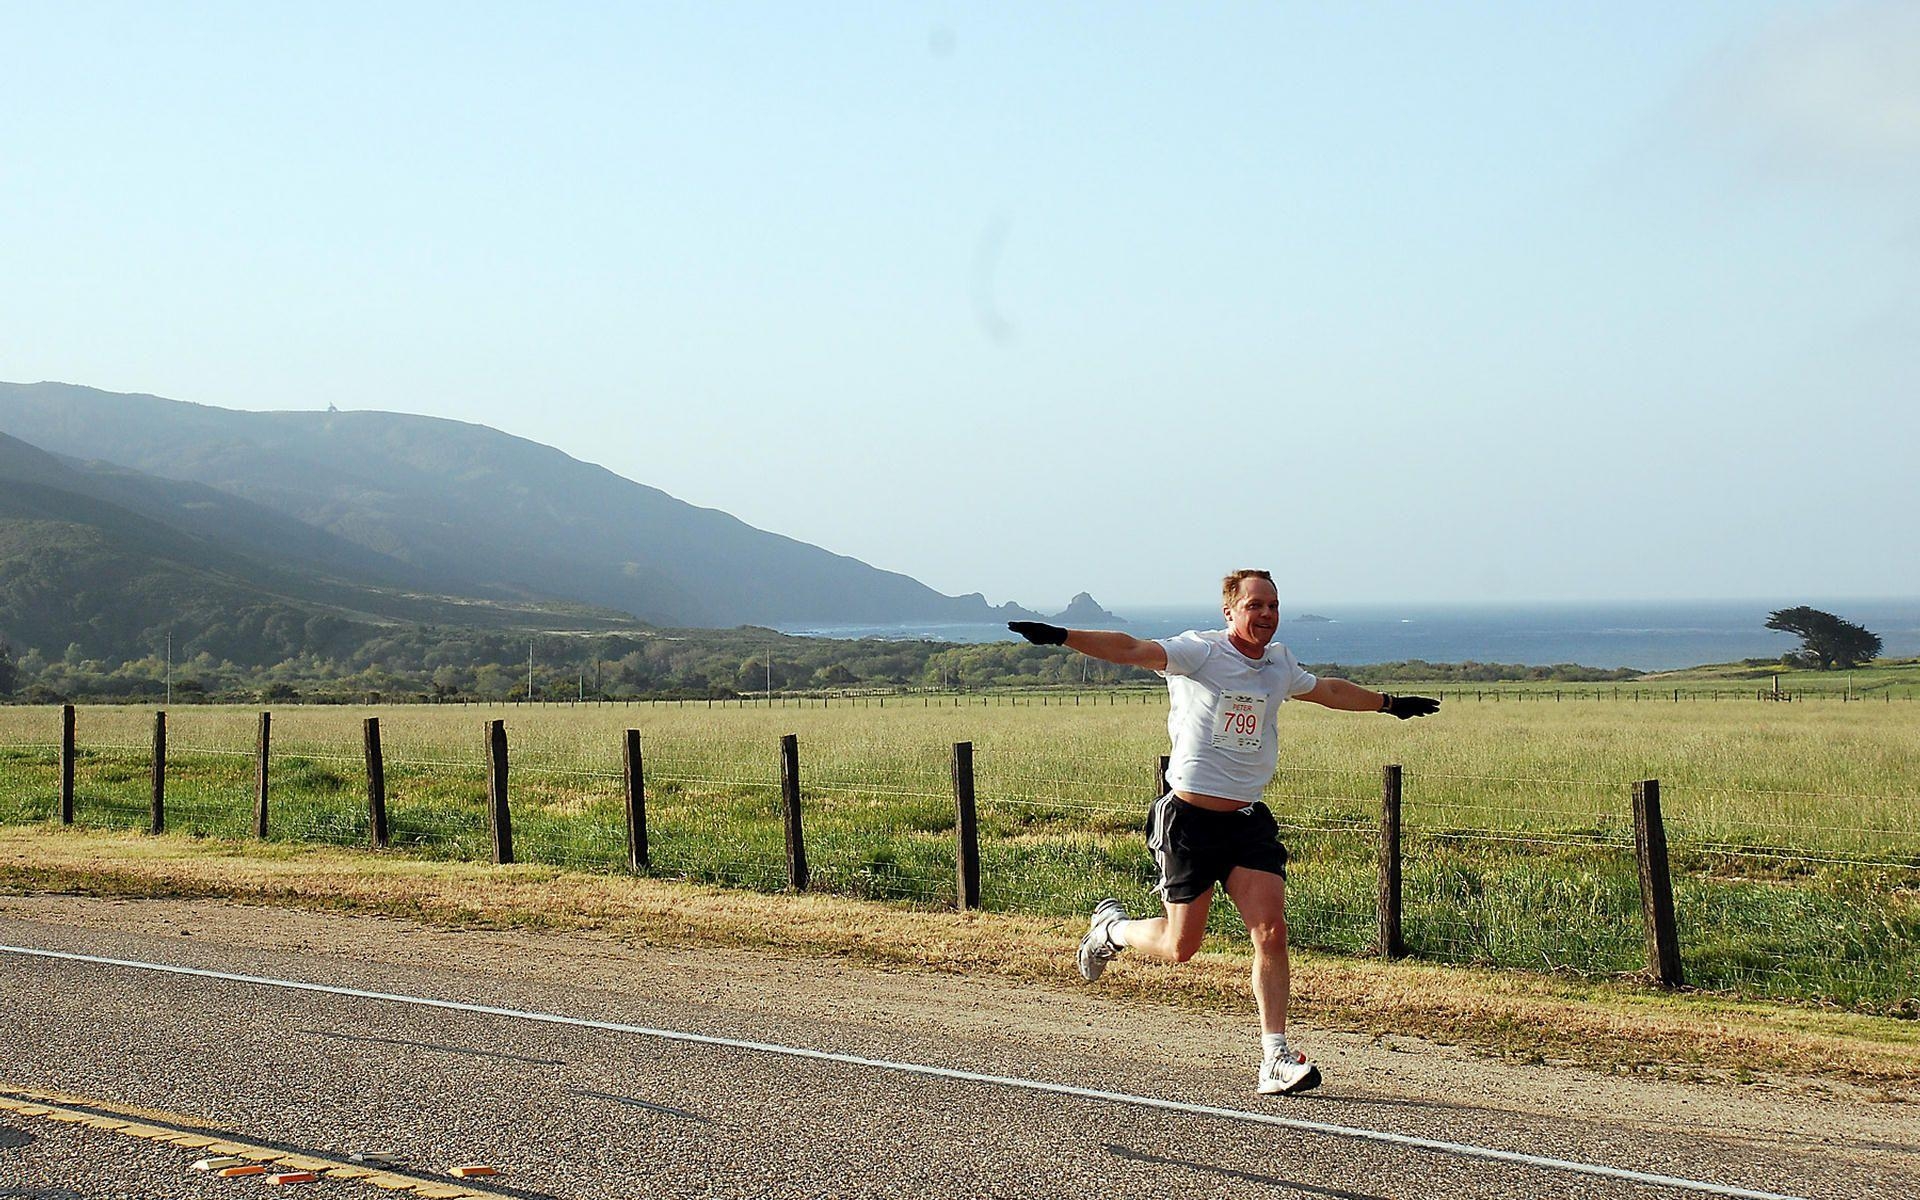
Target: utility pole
{"x": 169, "y": 668}
{"x": 769, "y": 679}
{"x": 529, "y": 672}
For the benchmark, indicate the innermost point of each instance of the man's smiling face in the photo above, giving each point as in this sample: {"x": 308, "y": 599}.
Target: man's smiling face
{"x": 1254, "y": 615}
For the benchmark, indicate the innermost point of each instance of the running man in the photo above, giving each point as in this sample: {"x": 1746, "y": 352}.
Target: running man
{"x": 1224, "y": 687}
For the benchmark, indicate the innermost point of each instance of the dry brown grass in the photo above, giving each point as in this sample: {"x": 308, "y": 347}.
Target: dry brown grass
{"x": 1617, "y": 1025}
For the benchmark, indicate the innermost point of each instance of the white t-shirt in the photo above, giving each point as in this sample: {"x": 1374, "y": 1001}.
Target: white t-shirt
{"x": 1222, "y": 710}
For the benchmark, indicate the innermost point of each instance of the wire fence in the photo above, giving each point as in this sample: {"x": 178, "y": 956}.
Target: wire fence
{"x": 1529, "y": 871}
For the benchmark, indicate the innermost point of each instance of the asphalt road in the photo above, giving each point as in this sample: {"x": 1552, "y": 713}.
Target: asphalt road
{"x": 575, "y": 1110}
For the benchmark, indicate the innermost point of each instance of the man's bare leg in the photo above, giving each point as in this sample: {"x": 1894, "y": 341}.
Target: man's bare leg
{"x": 1261, "y": 898}
{"x": 1173, "y": 938}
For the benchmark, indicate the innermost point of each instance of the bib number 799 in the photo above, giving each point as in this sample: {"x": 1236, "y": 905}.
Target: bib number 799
{"x": 1236, "y": 722}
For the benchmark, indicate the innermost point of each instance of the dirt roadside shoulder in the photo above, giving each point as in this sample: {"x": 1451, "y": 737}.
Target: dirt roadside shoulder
{"x": 1616, "y": 1027}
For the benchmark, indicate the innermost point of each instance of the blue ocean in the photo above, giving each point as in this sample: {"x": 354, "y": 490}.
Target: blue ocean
{"x": 1650, "y": 637}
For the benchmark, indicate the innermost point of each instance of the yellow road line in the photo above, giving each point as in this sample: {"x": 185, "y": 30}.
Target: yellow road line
{"x": 72, "y": 1110}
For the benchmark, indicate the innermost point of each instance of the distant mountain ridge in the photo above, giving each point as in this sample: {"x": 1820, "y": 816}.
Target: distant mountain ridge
{"x": 454, "y": 509}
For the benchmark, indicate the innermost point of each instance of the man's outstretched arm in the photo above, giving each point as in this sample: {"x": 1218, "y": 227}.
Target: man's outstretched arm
{"x": 1104, "y": 644}
{"x": 1351, "y": 697}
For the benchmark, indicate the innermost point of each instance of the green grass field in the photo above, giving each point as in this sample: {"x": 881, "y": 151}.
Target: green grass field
{"x": 1794, "y": 828}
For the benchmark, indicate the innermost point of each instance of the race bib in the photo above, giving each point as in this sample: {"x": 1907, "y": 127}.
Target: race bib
{"x": 1239, "y": 723}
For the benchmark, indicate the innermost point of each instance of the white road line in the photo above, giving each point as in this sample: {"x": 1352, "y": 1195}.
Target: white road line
{"x": 1031, "y": 1085}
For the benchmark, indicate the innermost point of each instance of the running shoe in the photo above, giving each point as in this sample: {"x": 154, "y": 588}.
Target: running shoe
{"x": 1097, "y": 947}
{"x": 1288, "y": 1071}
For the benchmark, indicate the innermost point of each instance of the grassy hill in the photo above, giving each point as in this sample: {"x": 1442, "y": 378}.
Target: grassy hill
{"x": 1892, "y": 676}
{"x": 113, "y": 563}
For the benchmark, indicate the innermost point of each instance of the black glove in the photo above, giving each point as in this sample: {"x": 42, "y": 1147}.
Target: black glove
{"x": 1039, "y": 632}
{"x": 1409, "y": 706}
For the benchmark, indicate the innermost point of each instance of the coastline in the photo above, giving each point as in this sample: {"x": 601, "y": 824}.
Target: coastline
{"x": 1641, "y": 636}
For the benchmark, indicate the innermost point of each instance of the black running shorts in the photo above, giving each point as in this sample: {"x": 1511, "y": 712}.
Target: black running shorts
{"x": 1197, "y": 847}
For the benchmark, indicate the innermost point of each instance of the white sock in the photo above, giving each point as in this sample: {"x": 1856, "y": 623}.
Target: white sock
{"x": 1117, "y": 935}
{"x": 1272, "y": 1044}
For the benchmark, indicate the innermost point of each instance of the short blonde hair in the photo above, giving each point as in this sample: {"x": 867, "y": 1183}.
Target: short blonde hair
{"x": 1230, "y": 586}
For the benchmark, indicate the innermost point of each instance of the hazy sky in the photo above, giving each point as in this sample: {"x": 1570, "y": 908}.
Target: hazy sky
{"x": 1427, "y": 301}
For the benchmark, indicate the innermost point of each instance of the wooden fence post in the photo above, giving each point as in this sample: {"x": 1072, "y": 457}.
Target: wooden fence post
{"x": 1391, "y": 945}
{"x": 66, "y": 764}
{"x": 261, "y": 754}
{"x": 376, "y": 786}
{"x": 1160, "y": 775}
{"x": 637, "y": 858}
{"x": 159, "y": 822}
{"x": 1656, "y": 885}
{"x": 790, "y": 805}
{"x": 501, "y": 820}
{"x": 966, "y": 828}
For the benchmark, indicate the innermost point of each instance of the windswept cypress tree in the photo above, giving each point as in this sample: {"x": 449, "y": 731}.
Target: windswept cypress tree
{"x": 1826, "y": 641}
